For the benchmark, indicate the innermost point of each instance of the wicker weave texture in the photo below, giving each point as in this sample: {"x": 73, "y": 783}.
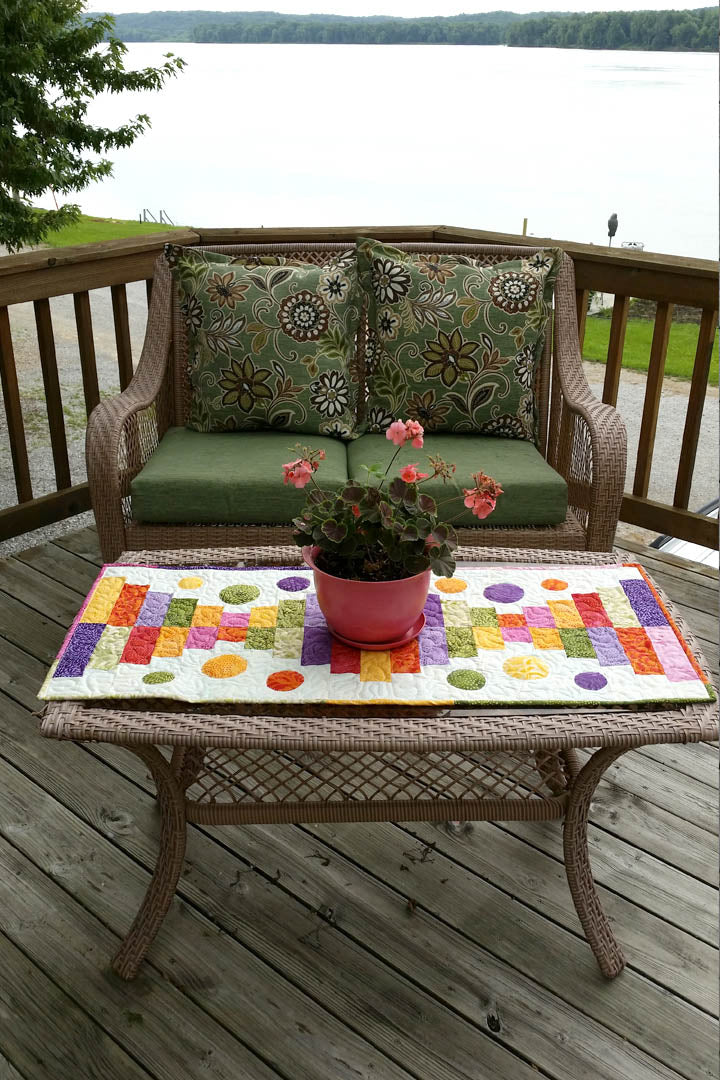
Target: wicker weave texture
{"x": 583, "y": 439}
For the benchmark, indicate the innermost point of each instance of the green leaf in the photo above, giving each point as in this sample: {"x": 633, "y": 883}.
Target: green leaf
{"x": 397, "y": 489}
{"x": 334, "y": 530}
{"x": 353, "y": 493}
{"x": 427, "y": 504}
{"x": 410, "y": 532}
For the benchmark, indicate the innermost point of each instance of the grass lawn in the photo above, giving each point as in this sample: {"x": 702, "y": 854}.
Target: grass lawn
{"x": 92, "y": 230}
{"x": 638, "y": 339}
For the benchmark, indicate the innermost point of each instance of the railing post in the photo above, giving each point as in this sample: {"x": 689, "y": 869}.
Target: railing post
{"x": 53, "y": 396}
{"x": 696, "y": 401}
{"x": 618, "y": 325}
{"x": 13, "y": 411}
{"x": 653, "y": 393}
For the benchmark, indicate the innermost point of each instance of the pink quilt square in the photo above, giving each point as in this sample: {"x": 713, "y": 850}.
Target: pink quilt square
{"x": 516, "y": 633}
{"x": 201, "y": 637}
{"x": 235, "y": 618}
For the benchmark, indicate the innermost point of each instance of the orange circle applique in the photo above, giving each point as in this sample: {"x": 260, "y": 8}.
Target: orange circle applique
{"x": 451, "y": 584}
{"x": 224, "y": 667}
{"x": 554, "y": 584}
{"x": 190, "y": 582}
{"x": 285, "y": 680}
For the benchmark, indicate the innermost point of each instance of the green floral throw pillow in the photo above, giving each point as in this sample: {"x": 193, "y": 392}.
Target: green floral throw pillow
{"x": 452, "y": 343}
{"x": 271, "y": 341}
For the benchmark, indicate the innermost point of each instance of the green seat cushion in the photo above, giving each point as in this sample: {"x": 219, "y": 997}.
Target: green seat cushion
{"x": 453, "y": 343}
{"x": 270, "y": 346}
{"x": 533, "y": 493}
{"x": 237, "y": 478}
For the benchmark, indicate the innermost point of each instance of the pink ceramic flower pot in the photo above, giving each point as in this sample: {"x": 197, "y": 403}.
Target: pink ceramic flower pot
{"x": 369, "y": 611}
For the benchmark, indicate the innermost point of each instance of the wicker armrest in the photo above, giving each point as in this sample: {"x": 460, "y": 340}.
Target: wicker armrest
{"x": 124, "y": 430}
{"x": 591, "y": 447}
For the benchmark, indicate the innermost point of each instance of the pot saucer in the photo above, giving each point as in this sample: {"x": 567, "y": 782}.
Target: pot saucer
{"x": 382, "y": 646}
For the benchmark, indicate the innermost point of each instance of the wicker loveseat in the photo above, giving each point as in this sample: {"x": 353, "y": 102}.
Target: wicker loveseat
{"x": 155, "y": 484}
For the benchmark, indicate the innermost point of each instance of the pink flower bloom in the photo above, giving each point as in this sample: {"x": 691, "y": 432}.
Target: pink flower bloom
{"x": 415, "y": 432}
{"x": 480, "y": 505}
{"x": 396, "y": 433}
{"x": 320, "y": 455}
{"x": 410, "y": 474}
{"x": 481, "y": 499}
{"x": 297, "y": 472}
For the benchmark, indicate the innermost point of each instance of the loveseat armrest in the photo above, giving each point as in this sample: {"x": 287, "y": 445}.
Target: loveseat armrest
{"x": 588, "y": 446}
{"x": 124, "y": 430}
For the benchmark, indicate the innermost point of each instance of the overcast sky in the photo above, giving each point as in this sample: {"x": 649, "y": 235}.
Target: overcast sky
{"x": 405, "y": 8}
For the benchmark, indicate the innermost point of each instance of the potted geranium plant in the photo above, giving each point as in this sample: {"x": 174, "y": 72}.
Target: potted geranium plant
{"x": 373, "y": 545}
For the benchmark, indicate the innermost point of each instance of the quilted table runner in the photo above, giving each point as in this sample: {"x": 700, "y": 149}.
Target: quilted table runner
{"x": 504, "y": 635}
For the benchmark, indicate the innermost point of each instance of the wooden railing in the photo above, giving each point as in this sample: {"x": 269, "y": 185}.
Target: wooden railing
{"x": 39, "y": 275}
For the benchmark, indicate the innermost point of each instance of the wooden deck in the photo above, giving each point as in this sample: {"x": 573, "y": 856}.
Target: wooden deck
{"x": 341, "y": 952}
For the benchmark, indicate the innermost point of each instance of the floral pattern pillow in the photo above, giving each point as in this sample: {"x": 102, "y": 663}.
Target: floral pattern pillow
{"x": 271, "y": 341}
{"x": 452, "y": 343}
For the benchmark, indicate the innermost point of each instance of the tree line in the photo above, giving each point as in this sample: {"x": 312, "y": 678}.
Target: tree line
{"x": 647, "y": 30}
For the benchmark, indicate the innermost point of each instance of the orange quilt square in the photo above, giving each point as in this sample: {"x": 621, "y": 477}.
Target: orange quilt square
{"x": 171, "y": 640}
{"x": 232, "y": 633}
{"x": 511, "y": 618}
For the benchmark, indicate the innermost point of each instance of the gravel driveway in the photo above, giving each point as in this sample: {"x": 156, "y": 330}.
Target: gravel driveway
{"x": 630, "y": 403}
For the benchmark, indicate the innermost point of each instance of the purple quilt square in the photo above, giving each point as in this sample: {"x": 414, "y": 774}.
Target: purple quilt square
{"x": 313, "y": 614}
{"x": 235, "y": 618}
{"x": 201, "y": 637}
{"x": 516, "y": 633}
{"x": 316, "y": 647}
{"x": 432, "y": 645}
{"x": 154, "y": 609}
{"x": 608, "y": 649}
{"x": 78, "y": 650}
{"x": 433, "y": 611}
{"x": 643, "y": 603}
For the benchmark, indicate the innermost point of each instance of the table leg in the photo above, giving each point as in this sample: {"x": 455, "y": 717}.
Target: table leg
{"x": 577, "y": 863}
{"x": 162, "y": 885}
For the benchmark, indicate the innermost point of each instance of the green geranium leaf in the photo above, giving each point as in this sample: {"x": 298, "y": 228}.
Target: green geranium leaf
{"x": 427, "y": 504}
{"x": 334, "y": 530}
{"x": 397, "y": 489}
{"x": 410, "y": 532}
{"x": 353, "y": 493}
{"x": 442, "y": 563}
{"x": 316, "y": 495}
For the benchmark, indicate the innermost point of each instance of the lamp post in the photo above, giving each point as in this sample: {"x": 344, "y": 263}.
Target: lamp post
{"x": 612, "y": 227}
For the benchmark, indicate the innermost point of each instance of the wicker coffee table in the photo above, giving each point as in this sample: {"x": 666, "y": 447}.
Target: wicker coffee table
{"x": 223, "y": 765}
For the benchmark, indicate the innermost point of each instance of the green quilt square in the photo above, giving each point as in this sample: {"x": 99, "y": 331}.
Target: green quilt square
{"x": 456, "y": 613}
{"x": 291, "y": 613}
{"x": 180, "y": 612}
{"x": 484, "y": 616}
{"x": 460, "y": 641}
{"x": 577, "y": 644}
{"x": 288, "y": 642}
{"x": 260, "y": 637}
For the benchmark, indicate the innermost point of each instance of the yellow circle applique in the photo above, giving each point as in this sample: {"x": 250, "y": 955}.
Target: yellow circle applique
{"x": 224, "y": 667}
{"x": 451, "y": 584}
{"x": 190, "y": 582}
{"x": 526, "y": 667}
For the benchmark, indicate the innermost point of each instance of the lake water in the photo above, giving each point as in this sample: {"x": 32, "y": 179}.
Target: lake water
{"x": 480, "y": 137}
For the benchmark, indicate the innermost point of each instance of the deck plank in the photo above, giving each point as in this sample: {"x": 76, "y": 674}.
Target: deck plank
{"x": 251, "y": 899}
{"x": 376, "y": 1001}
{"x": 490, "y": 966}
{"x": 46, "y": 1035}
